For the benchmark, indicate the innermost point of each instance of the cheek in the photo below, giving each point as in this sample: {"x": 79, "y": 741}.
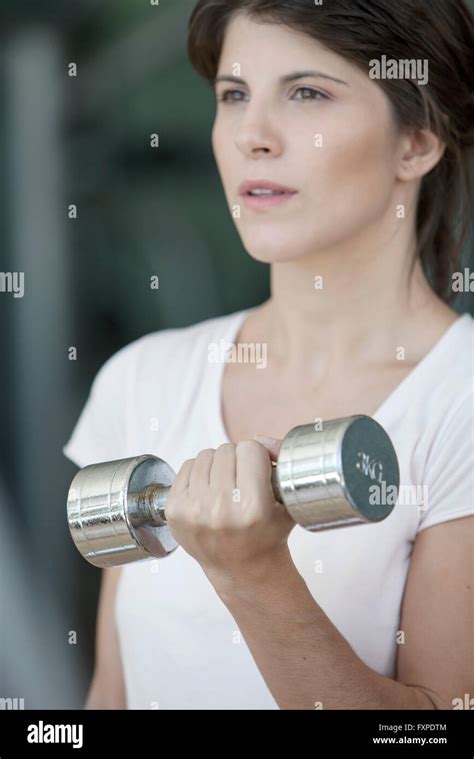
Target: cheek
{"x": 360, "y": 156}
{"x": 352, "y": 174}
{"x": 223, "y": 152}
{"x": 220, "y": 146}
{"x": 214, "y": 136}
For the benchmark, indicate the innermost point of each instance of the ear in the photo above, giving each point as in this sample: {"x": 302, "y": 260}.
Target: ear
{"x": 421, "y": 151}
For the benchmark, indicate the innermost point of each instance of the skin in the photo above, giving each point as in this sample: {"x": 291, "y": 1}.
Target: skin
{"x": 343, "y": 226}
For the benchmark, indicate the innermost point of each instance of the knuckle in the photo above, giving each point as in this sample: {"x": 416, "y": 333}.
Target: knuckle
{"x": 205, "y": 453}
{"x": 170, "y": 507}
{"x": 247, "y": 446}
{"x": 250, "y": 522}
{"x": 226, "y": 447}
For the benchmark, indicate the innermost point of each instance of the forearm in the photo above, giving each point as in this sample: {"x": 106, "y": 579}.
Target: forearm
{"x": 304, "y": 660}
{"x": 101, "y": 696}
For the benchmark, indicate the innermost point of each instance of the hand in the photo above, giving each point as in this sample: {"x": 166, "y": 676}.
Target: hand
{"x": 221, "y": 510}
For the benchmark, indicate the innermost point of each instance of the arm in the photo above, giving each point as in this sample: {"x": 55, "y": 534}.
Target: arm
{"x": 305, "y": 660}
{"x": 437, "y": 616}
{"x": 107, "y": 689}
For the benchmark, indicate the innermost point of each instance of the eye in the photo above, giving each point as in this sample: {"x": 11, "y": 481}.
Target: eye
{"x": 238, "y": 96}
{"x": 224, "y": 99}
{"x": 316, "y": 95}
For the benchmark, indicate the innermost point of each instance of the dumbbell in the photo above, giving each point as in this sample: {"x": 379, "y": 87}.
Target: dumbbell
{"x": 344, "y": 473}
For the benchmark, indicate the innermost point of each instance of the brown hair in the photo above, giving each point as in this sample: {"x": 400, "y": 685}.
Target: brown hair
{"x": 441, "y": 31}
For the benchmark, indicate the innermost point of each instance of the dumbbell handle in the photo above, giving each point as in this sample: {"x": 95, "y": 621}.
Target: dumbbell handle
{"x": 150, "y": 502}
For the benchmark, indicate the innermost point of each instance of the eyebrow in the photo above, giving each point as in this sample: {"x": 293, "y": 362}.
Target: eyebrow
{"x": 283, "y": 79}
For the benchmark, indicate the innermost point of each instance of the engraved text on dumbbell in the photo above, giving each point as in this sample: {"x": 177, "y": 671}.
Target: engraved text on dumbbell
{"x": 368, "y": 466}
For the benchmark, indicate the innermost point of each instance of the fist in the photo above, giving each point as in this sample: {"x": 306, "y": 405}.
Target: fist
{"x": 222, "y": 511}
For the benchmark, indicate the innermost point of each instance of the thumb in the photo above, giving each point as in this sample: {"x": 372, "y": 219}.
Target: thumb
{"x": 271, "y": 444}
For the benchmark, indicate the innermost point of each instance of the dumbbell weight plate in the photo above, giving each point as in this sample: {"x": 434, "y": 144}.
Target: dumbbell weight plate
{"x": 101, "y": 517}
{"x": 327, "y": 480}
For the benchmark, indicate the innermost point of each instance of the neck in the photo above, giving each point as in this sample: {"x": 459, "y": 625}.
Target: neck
{"x": 359, "y": 301}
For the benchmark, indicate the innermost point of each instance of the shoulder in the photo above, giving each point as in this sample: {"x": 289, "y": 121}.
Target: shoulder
{"x": 448, "y": 390}
{"x": 183, "y": 342}
{"x": 460, "y": 350}
{"x": 156, "y": 375}
{"x": 172, "y": 349}
{"x": 449, "y": 379}
{"x": 449, "y": 431}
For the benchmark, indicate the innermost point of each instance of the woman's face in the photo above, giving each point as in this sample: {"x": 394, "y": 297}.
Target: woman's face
{"x": 332, "y": 141}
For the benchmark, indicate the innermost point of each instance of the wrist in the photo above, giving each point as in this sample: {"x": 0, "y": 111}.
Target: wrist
{"x": 257, "y": 580}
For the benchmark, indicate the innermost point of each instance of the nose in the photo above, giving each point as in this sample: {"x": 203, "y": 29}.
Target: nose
{"x": 256, "y": 135}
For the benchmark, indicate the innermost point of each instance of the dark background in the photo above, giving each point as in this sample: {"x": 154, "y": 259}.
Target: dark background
{"x": 141, "y": 211}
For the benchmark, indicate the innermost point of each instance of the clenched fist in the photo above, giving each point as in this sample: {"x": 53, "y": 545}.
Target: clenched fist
{"x": 222, "y": 511}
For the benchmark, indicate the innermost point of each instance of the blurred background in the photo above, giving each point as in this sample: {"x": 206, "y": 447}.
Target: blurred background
{"x": 84, "y": 141}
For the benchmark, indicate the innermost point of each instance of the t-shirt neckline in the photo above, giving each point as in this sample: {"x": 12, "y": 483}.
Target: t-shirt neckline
{"x": 233, "y": 331}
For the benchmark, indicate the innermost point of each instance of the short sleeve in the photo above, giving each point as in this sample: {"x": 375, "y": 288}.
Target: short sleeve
{"x": 449, "y": 472}
{"x": 100, "y": 433}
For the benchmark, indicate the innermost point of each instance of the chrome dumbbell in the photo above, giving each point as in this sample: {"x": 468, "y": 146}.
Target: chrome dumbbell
{"x": 345, "y": 473}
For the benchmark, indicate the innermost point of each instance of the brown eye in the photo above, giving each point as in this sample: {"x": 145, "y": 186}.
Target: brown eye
{"x": 313, "y": 94}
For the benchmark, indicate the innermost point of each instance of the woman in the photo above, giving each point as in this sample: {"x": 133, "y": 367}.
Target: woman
{"x": 362, "y": 239}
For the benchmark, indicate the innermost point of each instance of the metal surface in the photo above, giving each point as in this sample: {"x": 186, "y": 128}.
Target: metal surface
{"x": 345, "y": 473}
{"x": 331, "y": 477}
{"x": 105, "y": 522}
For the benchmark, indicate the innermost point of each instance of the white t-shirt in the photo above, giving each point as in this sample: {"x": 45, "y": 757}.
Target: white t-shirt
{"x": 181, "y": 647}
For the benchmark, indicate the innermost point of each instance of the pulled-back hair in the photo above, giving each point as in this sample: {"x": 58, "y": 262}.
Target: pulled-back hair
{"x": 440, "y": 31}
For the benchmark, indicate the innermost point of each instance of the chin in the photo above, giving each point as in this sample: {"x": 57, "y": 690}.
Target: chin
{"x": 268, "y": 257}
{"x": 268, "y": 253}
{"x": 271, "y": 249}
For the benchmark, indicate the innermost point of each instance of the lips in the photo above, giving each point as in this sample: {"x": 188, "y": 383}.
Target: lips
{"x": 246, "y": 188}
